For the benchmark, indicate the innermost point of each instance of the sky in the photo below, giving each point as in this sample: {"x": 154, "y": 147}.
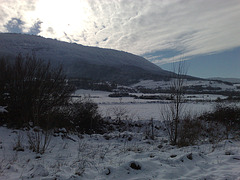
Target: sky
{"x": 204, "y": 33}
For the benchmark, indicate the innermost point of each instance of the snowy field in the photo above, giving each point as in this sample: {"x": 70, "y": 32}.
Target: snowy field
{"x": 141, "y": 109}
{"x": 115, "y": 157}
{"x": 165, "y": 84}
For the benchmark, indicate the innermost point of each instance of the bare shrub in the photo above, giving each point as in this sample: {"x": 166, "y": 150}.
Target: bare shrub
{"x": 228, "y": 115}
{"x": 104, "y": 151}
{"x": 39, "y": 140}
{"x": 31, "y": 89}
{"x": 150, "y": 130}
{"x": 84, "y": 116}
{"x": 81, "y": 162}
{"x": 122, "y": 118}
{"x": 172, "y": 113}
{"x": 18, "y": 146}
{"x": 84, "y": 159}
{"x": 3, "y": 165}
{"x": 213, "y": 131}
{"x": 222, "y": 121}
{"x": 189, "y": 131}
{"x": 120, "y": 113}
{"x": 130, "y": 146}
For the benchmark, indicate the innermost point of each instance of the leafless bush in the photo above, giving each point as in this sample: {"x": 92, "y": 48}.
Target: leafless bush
{"x": 105, "y": 150}
{"x": 214, "y": 131}
{"x": 189, "y": 131}
{"x": 31, "y": 89}
{"x": 85, "y": 155}
{"x": 18, "y": 146}
{"x": 122, "y": 117}
{"x": 172, "y": 113}
{"x": 228, "y": 115}
{"x": 120, "y": 113}
{"x": 39, "y": 140}
{"x": 3, "y": 166}
{"x": 7, "y": 161}
{"x": 130, "y": 146}
{"x": 223, "y": 121}
{"x": 150, "y": 130}
{"x": 84, "y": 116}
{"x": 197, "y": 129}
{"x": 172, "y": 119}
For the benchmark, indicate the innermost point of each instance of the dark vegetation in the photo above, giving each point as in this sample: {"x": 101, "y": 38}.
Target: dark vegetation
{"x": 199, "y": 89}
{"x": 81, "y": 116}
{"x": 226, "y": 115}
{"x": 190, "y": 131}
{"x": 121, "y": 94}
{"x": 85, "y": 83}
{"x": 222, "y": 123}
{"x": 36, "y": 94}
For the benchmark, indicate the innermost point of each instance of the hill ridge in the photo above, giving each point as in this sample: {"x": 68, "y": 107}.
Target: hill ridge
{"x": 82, "y": 61}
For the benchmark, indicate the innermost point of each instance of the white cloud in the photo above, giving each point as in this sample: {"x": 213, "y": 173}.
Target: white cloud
{"x": 194, "y": 27}
{"x": 16, "y": 9}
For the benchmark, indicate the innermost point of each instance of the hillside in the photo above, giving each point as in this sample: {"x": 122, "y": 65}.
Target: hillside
{"x": 231, "y": 80}
{"x": 82, "y": 61}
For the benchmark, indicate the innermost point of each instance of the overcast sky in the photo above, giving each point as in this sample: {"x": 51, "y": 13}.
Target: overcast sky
{"x": 162, "y": 31}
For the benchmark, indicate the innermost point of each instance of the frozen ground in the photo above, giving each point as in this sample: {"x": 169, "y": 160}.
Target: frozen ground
{"x": 118, "y": 156}
{"x": 207, "y": 83}
{"x": 141, "y": 109}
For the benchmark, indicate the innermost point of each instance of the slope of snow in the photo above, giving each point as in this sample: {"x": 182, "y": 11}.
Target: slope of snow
{"x": 214, "y": 84}
{"x": 144, "y": 109}
{"x": 231, "y": 80}
{"x": 204, "y": 83}
{"x": 95, "y": 157}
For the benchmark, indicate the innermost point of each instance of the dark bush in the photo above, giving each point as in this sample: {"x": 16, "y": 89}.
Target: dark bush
{"x": 31, "y": 89}
{"x": 79, "y": 115}
{"x": 85, "y": 116}
{"x": 189, "y": 132}
{"x": 227, "y": 115}
{"x": 37, "y": 94}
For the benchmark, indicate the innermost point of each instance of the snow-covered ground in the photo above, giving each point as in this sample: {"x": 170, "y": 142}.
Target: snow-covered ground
{"x": 118, "y": 156}
{"x": 142, "y": 109}
{"x": 206, "y": 83}
{"x": 126, "y": 155}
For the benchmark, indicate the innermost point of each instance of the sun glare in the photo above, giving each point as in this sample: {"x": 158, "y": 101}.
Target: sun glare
{"x": 67, "y": 16}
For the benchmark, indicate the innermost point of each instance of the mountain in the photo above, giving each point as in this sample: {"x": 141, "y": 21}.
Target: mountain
{"x": 82, "y": 61}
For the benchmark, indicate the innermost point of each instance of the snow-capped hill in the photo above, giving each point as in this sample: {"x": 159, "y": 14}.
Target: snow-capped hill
{"x": 190, "y": 85}
{"x": 82, "y": 61}
{"x": 231, "y": 80}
